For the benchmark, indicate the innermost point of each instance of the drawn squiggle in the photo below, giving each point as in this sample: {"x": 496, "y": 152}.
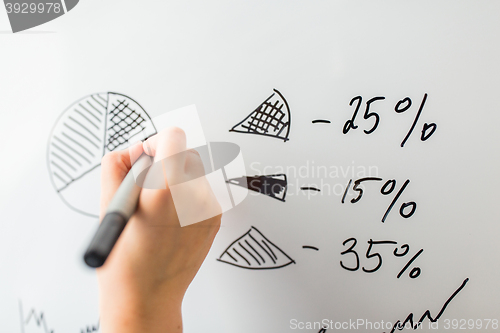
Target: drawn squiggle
{"x": 427, "y": 314}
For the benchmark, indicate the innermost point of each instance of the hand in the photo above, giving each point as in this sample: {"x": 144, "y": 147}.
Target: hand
{"x": 143, "y": 282}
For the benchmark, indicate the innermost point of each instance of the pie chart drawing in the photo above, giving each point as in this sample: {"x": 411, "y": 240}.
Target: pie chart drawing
{"x": 87, "y": 130}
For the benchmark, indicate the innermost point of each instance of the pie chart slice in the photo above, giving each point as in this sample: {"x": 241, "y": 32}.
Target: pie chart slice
{"x": 254, "y": 251}
{"x": 271, "y": 118}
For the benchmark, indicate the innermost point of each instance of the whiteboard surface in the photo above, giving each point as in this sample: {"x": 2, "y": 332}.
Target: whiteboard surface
{"x": 227, "y": 57}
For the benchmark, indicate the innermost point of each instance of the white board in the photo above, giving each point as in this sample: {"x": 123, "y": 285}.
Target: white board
{"x": 227, "y": 57}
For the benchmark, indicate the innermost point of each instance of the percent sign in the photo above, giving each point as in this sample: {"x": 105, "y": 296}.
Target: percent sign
{"x": 415, "y": 272}
{"x": 406, "y": 102}
{"x": 386, "y": 189}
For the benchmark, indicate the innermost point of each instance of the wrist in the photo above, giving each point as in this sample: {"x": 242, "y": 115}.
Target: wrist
{"x": 125, "y": 311}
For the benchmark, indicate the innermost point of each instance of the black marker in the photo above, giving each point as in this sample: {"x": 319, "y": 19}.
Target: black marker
{"x": 119, "y": 211}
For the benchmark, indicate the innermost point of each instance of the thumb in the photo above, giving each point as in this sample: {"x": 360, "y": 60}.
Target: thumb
{"x": 114, "y": 167}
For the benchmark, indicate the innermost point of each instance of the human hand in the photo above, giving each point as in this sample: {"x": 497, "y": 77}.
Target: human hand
{"x": 143, "y": 282}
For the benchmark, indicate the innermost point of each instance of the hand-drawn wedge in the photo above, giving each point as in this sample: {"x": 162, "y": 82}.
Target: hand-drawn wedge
{"x": 271, "y": 118}
{"x": 254, "y": 251}
{"x": 88, "y": 129}
{"x": 273, "y": 186}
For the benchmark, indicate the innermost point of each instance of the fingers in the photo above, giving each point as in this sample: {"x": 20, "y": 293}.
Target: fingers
{"x": 194, "y": 166}
{"x": 114, "y": 167}
{"x": 181, "y": 173}
{"x": 168, "y": 142}
{"x": 169, "y": 150}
